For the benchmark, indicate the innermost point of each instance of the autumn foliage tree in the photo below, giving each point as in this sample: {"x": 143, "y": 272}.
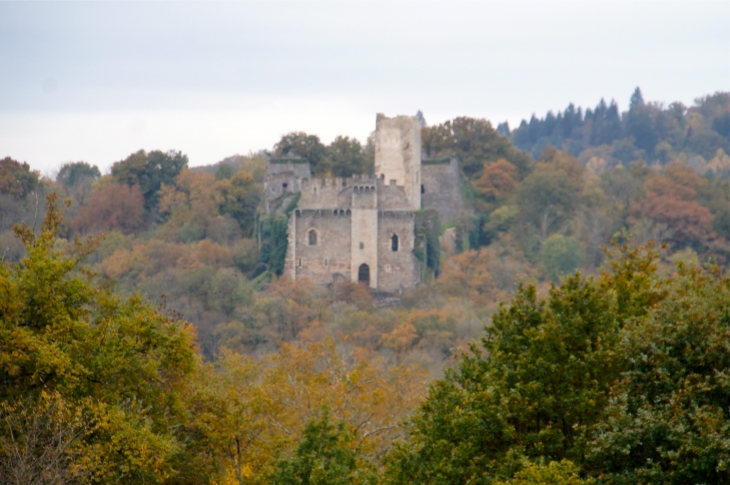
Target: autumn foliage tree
{"x": 671, "y": 200}
{"x": 498, "y": 179}
{"x": 115, "y": 208}
{"x": 120, "y": 361}
{"x": 16, "y": 179}
{"x": 254, "y": 412}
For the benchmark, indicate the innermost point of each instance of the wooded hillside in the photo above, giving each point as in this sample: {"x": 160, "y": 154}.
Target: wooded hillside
{"x": 573, "y": 327}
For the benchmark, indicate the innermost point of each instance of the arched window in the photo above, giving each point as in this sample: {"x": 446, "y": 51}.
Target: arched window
{"x": 423, "y": 189}
{"x": 312, "y": 237}
{"x": 363, "y": 274}
{"x": 394, "y": 242}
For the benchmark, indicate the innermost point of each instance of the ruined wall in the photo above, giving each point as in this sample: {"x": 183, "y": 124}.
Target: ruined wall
{"x": 284, "y": 177}
{"x": 397, "y": 270}
{"x": 398, "y": 154}
{"x": 442, "y": 189}
{"x": 331, "y": 253}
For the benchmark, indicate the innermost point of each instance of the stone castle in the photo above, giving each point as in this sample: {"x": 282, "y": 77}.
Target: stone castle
{"x": 361, "y": 229}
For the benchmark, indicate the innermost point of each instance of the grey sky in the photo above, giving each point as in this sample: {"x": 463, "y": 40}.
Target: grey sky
{"x": 97, "y": 81}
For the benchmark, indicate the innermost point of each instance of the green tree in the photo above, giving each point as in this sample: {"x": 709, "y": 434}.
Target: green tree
{"x": 308, "y": 147}
{"x": 345, "y": 156}
{"x": 541, "y": 376}
{"x": 721, "y": 222}
{"x": 150, "y": 171}
{"x": 475, "y": 143}
{"x": 224, "y": 171}
{"x": 554, "y": 473}
{"x": 119, "y": 359}
{"x": 669, "y": 421}
{"x": 640, "y": 123}
{"x": 561, "y": 255}
{"x": 549, "y": 196}
{"x": 73, "y": 173}
{"x": 325, "y": 457}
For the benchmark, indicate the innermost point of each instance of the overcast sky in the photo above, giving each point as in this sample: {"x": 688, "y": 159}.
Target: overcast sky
{"x": 98, "y": 81}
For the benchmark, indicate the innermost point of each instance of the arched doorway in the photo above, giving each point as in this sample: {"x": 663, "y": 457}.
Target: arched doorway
{"x": 363, "y": 274}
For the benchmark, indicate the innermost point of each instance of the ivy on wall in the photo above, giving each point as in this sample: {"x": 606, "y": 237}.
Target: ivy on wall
{"x": 272, "y": 231}
{"x": 427, "y": 230}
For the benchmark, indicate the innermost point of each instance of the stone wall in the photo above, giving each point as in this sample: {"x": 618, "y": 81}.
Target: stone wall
{"x": 397, "y": 270}
{"x": 398, "y": 154}
{"x": 391, "y": 196}
{"x": 330, "y": 255}
{"x": 442, "y": 189}
{"x": 283, "y": 178}
{"x": 353, "y": 220}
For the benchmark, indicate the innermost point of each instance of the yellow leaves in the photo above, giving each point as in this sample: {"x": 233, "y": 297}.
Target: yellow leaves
{"x": 401, "y": 339}
{"x": 149, "y": 259}
{"x": 564, "y": 472}
{"x": 258, "y": 408}
{"x": 193, "y": 198}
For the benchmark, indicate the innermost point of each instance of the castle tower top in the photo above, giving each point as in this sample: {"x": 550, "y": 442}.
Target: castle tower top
{"x": 398, "y": 154}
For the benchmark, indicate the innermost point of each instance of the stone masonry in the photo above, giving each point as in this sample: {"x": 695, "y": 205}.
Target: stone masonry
{"x": 361, "y": 229}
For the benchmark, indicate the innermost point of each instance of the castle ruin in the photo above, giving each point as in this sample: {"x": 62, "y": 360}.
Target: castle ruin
{"x": 361, "y": 228}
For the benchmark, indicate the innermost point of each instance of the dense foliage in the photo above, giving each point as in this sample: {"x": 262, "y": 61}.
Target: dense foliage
{"x": 648, "y": 131}
{"x": 529, "y": 355}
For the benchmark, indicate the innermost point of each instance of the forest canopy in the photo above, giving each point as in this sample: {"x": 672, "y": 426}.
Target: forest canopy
{"x": 572, "y": 326}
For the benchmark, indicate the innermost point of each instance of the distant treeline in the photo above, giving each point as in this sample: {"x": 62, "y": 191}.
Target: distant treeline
{"x": 647, "y": 131}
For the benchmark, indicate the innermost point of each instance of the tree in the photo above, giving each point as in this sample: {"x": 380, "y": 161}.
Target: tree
{"x": 475, "y": 143}
{"x": 73, "y": 173}
{"x": 344, "y": 157}
{"x": 540, "y": 377}
{"x": 498, "y": 179}
{"x": 114, "y": 208}
{"x": 554, "y": 473}
{"x": 561, "y": 256}
{"x": 149, "y": 171}
{"x": 324, "y": 457}
{"x": 550, "y": 194}
{"x": 191, "y": 202}
{"x": 668, "y": 421}
{"x": 670, "y": 200}
{"x": 119, "y": 359}
{"x": 16, "y": 179}
{"x": 224, "y": 171}
{"x": 250, "y": 413}
{"x": 640, "y": 123}
{"x": 40, "y": 441}
{"x": 241, "y": 195}
{"x": 308, "y": 147}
